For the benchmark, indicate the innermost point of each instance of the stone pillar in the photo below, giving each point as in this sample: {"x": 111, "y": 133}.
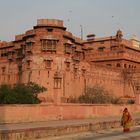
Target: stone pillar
{"x": 57, "y": 87}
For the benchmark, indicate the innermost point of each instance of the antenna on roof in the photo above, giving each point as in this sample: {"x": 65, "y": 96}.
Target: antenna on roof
{"x": 81, "y": 31}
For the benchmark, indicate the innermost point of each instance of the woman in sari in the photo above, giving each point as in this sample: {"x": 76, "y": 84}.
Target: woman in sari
{"x": 126, "y": 120}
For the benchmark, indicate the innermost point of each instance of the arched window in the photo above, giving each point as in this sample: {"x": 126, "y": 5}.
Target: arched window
{"x": 125, "y": 66}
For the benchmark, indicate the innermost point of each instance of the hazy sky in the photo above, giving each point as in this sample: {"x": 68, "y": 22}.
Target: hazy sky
{"x": 101, "y": 17}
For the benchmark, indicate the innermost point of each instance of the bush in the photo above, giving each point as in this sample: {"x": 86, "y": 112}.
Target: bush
{"x": 116, "y": 101}
{"x": 35, "y": 88}
{"x": 131, "y": 101}
{"x": 97, "y": 94}
{"x": 20, "y": 93}
{"x": 6, "y": 94}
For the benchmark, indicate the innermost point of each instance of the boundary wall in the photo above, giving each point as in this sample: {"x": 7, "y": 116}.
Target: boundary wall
{"x": 45, "y": 112}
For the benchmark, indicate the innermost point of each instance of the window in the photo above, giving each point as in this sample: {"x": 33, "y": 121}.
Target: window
{"x": 43, "y": 44}
{"x": 76, "y": 56}
{"x": 68, "y": 48}
{"x": 67, "y": 65}
{"x": 112, "y": 48}
{"x": 19, "y": 53}
{"x": 39, "y": 73}
{"x": 28, "y": 64}
{"x": 49, "y": 45}
{"x": 19, "y": 69}
{"x": 49, "y": 29}
{"x": 101, "y": 49}
{"x": 75, "y": 71}
{"x": 125, "y": 66}
{"x": 29, "y": 46}
{"x": 3, "y": 70}
{"x": 83, "y": 54}
{"x": 118, "y": 65}
{"x": 10, "y": 56}
{"x": 83, "y": 72}
{"x": 4, "y": 53}
{"x": 48, "y": 74}
{"x": 8, "y": 77}
{"x": 48, "y": 63}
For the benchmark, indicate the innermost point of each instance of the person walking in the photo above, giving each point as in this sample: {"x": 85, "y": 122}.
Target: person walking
{"x": 126, "y": 120}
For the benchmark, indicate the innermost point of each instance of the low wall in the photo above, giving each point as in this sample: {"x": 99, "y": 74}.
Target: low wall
{"x": 45, "y": 112}
{"x": 48, "y": 132}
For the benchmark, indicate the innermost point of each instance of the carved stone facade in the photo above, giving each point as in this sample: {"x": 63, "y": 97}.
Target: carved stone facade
{"x": 52, "y": 57}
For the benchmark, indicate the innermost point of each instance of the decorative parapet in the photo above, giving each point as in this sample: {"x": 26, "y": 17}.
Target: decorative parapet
{"x": 19, "y": 37}
{"x": 6, "y": 45}
{"x": 68, "y": 35}
{"x": 106, "y": 55}
{"x": 30, "y": 33}
{"x": 115, "y": 55}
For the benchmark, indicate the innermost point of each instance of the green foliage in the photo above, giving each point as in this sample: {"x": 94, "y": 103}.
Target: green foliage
{"x": 20, "y": 94}
{"x": 35, "y": 88}
{"x": 116, "y": 100}
{"x": 131, "y": 101}
{"x": 5, "y": 94}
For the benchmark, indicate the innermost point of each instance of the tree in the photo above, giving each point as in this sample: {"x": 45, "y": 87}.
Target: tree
{"x": 20, "y": 93}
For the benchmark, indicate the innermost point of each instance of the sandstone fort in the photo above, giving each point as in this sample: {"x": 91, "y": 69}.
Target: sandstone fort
{"x": 66, "y": 65}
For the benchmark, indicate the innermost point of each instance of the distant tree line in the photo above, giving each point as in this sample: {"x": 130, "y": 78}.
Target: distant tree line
{"x": 20, "y": 93}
